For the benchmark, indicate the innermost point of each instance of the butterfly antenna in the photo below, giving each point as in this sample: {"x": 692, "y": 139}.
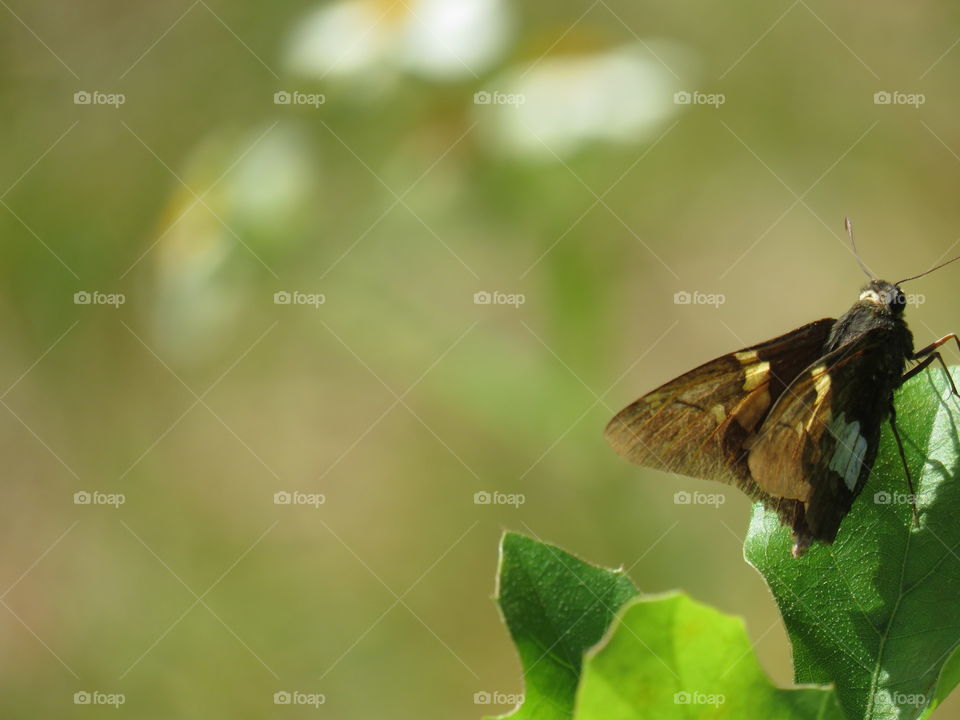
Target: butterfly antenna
{"x": 927, "y": 272}
{"x": 849, "y": 228}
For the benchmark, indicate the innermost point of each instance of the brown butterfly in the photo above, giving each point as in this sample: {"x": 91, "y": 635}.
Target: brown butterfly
{"x": 793, "y": 422}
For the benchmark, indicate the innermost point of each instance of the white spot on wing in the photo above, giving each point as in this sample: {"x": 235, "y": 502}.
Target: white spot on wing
{"x": 851, "y": 448}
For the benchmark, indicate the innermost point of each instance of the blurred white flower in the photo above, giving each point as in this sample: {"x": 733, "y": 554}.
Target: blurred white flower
{"x": 440, "y": 39}
{"x": 621, "y": 95}
{"x": 271, "y": 184}
{"x": 453, "y": 38}
{"x": 340, "y": 39}
{"x": 253, "y": 188}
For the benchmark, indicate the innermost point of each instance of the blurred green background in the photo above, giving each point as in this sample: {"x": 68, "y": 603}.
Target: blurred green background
{"x": 149, "y": 151}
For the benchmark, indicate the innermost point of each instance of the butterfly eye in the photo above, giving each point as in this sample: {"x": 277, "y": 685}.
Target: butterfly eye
{"x": 899, "y": 302}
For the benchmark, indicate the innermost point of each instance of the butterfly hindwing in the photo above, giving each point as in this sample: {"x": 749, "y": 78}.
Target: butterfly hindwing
{"x": 819, "y": 440}
{"x": 700, "y": 423}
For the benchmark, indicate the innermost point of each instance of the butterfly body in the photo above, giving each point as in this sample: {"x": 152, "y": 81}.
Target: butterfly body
{"x": 794, "y": 422}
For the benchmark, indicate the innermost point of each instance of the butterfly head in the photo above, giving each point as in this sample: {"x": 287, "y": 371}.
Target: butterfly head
{"x": 883, "y": 297}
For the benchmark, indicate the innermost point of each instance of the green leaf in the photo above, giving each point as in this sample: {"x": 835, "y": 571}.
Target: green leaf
{"x": 556, "y": 607}
{"x": 670, "y": 657}
{"x": 878, "y": 612}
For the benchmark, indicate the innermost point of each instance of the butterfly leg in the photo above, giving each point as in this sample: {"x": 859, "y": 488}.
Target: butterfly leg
{"x": 903, "y": 459}
{"x": 929, "y": 354}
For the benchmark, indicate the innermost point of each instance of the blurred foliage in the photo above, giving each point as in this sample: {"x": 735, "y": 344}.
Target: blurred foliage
{"x": 398, "y": 198}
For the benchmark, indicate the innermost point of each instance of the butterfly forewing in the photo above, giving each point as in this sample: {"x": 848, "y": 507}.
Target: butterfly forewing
{"x": 700, "y": 423}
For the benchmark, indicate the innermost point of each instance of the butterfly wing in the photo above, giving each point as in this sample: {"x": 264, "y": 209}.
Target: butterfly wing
{"x": 698, "y": 424}
{"x": 819, "y": 440}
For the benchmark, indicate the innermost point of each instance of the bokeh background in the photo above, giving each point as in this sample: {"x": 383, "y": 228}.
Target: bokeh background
{"x": 430, "y": 150}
